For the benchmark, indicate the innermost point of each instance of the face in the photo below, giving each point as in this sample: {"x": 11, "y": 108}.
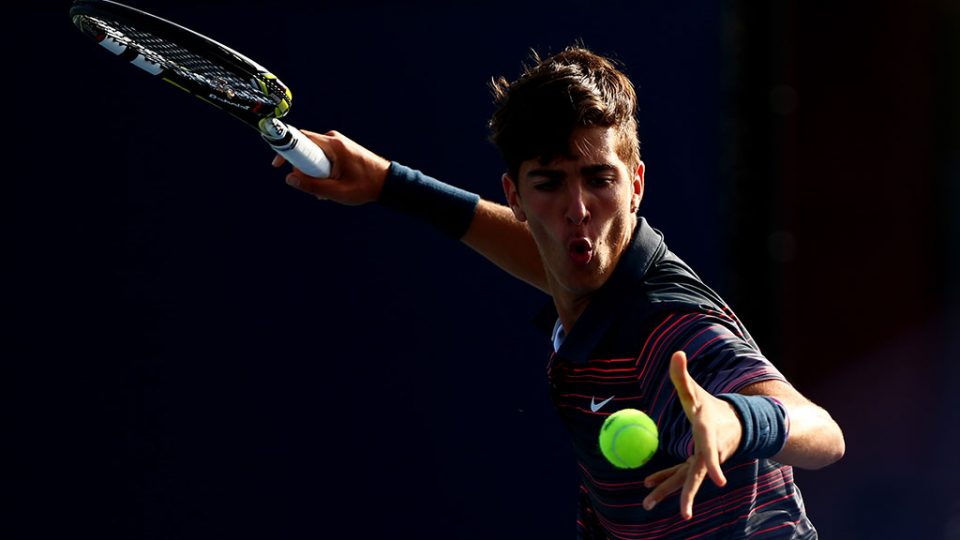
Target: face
{"x": 581, "y": 210}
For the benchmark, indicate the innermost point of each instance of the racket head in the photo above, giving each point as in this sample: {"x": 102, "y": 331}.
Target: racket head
{"x": 190, "y": 61}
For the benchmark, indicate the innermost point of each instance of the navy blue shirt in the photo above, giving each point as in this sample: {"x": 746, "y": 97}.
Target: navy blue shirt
{"x": 617, "y": 356}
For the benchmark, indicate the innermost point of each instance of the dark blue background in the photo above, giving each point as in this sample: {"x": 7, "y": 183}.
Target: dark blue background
{"x": 200, "y": 351}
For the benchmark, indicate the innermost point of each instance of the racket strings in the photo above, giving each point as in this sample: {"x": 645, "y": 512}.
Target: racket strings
{"x": 184, "y": 62}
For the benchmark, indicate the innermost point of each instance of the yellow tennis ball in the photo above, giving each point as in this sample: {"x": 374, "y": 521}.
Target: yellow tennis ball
{"x": 628, "y": 438}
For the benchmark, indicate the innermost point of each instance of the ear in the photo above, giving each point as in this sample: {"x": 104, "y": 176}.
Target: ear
{"x": 512, "y": 193}
{"x": 637, "y": 195}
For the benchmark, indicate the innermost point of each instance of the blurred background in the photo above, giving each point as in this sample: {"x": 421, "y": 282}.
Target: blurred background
{"x": 196, "y": 350}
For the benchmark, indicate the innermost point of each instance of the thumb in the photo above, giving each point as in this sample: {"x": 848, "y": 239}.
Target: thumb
{"x": 681, "y": 378}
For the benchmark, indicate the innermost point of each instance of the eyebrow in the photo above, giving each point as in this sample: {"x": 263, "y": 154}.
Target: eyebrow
{"x": 585, "y": 171}
{"x": 598, "y": 168}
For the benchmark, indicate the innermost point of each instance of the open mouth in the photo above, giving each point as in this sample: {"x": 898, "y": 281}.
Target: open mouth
{"x": 580, "y": 250}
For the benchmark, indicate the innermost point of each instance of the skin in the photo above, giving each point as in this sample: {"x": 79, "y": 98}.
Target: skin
{"x": 588, "y": 197}
{"x": 592, "y": 195}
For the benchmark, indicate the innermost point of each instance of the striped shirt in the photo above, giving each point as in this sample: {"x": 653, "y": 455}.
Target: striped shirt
{"x": 617, "y": 356}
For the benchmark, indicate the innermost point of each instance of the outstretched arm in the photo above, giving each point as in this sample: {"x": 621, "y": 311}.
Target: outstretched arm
{"x": 358, "y": 177}
{"x": 814, "y": 439}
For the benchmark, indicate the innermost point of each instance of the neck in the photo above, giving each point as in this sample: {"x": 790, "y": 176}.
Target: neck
{"x": 569, "y": 308}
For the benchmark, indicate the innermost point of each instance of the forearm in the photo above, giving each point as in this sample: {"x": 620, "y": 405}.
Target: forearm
{"x": 815, "y": 440}
{"x": 490, "y": 229}
{"x": 497, "y": 235}
{"x": 360, "y": 176}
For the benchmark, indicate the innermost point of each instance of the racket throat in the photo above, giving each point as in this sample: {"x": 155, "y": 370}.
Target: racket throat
{"x": 275, "y": 132}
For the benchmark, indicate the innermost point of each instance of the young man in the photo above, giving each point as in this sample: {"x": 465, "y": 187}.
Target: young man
{"x": 635, "y": 327}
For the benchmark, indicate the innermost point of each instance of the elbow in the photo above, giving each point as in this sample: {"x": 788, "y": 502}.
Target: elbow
{"x": 840, "y": 448}
{"x": 831, "y": 456}
{"x": 831, "y": 452}
{"x": 815, "y": 450}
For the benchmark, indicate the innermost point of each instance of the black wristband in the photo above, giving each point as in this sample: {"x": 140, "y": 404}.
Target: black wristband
{"x": 446, "y": 207}
{"x": 764, "y": 421}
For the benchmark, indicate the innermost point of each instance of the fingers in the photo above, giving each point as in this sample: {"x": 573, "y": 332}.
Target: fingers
{"x": 670, "y": 481}
{"x": 659, "y": 476}
{"x": 686, "y": 477}
{"x": 320, "y": 188}
{"x": 278, "y": 161}
{"x": 707, "y": 453}
{"x": 706, "y": 461}
{"x": 713, "y": 468}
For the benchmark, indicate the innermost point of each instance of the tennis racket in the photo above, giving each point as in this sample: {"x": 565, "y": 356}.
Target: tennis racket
{"x": 200, "y": 66}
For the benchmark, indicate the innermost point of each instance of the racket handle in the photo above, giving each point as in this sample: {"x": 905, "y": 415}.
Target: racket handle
{"x": 296, "y": 148}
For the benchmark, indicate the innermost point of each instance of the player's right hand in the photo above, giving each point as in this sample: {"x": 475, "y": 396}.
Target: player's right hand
{"x": 356, "y": 174}
{"x": 716, "y": 436}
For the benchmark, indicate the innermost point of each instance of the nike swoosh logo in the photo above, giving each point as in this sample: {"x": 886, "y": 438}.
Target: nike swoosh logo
{"x": 594, "y": 406}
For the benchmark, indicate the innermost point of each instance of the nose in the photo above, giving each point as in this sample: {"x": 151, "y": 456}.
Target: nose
{"x": 576, "y": 211}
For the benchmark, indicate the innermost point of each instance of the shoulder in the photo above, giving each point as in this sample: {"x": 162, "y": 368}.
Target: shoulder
{"x": 672, "y": 282}
{"x": 670, "y": 290}
{"x": 722, "y": 356}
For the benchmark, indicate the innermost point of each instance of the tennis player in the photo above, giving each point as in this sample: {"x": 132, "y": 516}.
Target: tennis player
{"x": 634, "y": 326}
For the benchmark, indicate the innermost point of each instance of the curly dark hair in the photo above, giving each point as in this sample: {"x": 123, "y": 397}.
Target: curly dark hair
{"x": 537, "y": 113}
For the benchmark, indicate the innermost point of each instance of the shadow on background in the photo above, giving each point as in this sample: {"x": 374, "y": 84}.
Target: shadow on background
{"x": 200, "y": 351}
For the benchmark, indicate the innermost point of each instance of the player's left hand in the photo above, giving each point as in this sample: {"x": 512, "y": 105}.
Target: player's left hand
{"x": 716, "y": 436}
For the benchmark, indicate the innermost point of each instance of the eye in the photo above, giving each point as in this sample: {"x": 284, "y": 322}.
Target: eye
{"x": 601, "y": 181}
{"x": 546, "y": 185}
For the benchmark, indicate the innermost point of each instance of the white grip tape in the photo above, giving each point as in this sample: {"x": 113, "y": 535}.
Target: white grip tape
{"x": 303, "y": 154}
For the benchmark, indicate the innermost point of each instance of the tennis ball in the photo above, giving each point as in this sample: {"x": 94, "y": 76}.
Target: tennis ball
{"x": 628, "y": 438}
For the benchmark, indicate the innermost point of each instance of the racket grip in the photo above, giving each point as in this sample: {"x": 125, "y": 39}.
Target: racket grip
{"x": 299, "y": 150}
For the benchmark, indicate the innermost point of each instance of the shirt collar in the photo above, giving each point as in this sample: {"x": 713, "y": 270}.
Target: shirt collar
{"x": 645, "y": 247}
{"x": 558, "y": 335}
